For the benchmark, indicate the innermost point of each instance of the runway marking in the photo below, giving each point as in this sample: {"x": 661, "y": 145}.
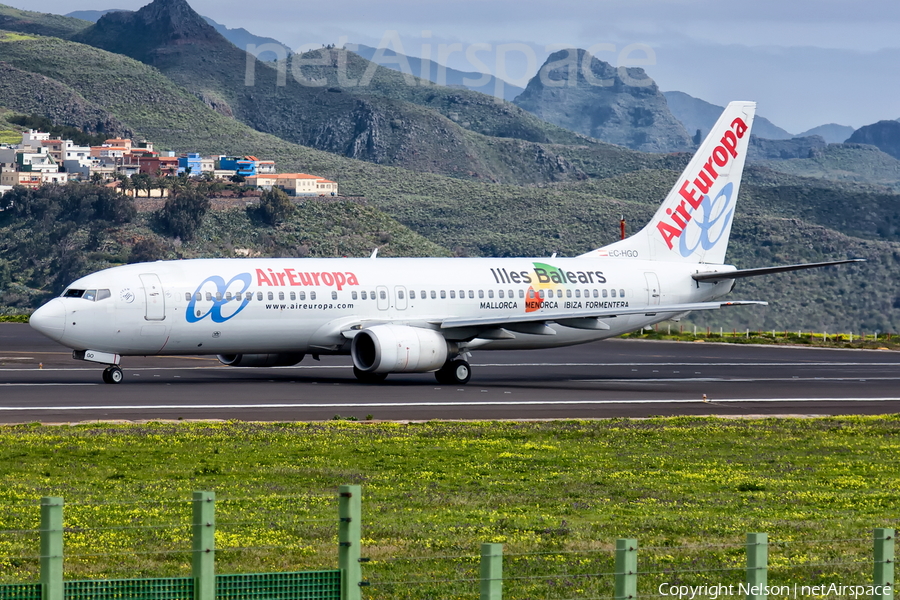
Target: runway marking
{"x": 348, "y": 366}
{"x": 437, "y": 404}
{"x": 732, "y": 380}
{"x": 41, "y": 384}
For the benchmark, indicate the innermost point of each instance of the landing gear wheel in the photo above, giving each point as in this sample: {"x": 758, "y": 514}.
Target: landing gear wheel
{"x": 454, "y": 372}
{"x": 113, "y": 375}
{"x": 365, "y": 377}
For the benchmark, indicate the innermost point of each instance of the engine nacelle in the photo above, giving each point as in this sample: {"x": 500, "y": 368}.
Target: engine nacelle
{"x": 260, "y": 360}
{"x": 398, "y": 349}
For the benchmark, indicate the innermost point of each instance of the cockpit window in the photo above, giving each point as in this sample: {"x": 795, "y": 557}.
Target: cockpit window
{"x": 89, "y": 295}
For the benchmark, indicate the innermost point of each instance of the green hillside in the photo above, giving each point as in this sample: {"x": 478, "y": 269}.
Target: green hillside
{"x": 39, "y": 232}
{"x": 26, "y": 21}
{"x": 845, "y": 162}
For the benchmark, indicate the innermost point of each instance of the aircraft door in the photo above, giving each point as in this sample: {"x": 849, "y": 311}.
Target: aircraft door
{"x": 154, "y": 297}
{"x": 384, "y": 300}
{"x": 653, "y": 293}
{"x": 400, "y": 297}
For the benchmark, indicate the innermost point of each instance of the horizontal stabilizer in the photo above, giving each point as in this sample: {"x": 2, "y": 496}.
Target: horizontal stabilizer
{"x": 721, "y": 276}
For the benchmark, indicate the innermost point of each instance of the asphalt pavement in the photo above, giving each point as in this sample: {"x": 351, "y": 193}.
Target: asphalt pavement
{"x": 41, "y": 382}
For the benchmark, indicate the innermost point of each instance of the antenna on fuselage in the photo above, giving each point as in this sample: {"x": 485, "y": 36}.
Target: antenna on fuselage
{"x": 374, "y": 254}
{"x": 553, "y": 255}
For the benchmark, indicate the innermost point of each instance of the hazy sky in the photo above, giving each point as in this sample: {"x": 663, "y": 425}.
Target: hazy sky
{"x": 807, "y": 62}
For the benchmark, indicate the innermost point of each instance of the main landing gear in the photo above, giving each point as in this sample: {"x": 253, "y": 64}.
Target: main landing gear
{"x": 454, "y": 372}
{"x": 364, "y": 377}
{"x": 113, "y": 374}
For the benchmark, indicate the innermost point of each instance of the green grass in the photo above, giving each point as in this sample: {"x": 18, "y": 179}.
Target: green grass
{"x": 556, "y": 494}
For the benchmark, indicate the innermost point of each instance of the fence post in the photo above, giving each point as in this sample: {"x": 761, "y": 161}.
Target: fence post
{"x": 203, "y": 563}
{"x": 757, "y": 565}
{"x": 491, "y": 571}
{"x": 349, "y": 535}
{"x": 626, "y": 568}
{"x": 51, "y": 548}
{"x": 883, "y": 575}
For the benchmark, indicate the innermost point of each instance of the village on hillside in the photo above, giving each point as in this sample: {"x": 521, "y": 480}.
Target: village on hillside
{"x": 39, "y": 160}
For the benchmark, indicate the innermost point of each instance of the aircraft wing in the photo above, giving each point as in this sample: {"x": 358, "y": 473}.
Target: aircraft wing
{"x": 582, "y": 319}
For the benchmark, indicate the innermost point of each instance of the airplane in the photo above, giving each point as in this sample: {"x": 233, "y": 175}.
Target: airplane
{"x": 419, "y": 315}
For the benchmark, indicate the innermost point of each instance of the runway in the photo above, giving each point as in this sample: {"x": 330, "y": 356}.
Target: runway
{"x": 40, "y": 382}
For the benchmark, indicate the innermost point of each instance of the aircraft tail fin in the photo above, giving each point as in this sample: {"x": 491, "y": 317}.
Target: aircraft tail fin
{"x": 694, "y": 221}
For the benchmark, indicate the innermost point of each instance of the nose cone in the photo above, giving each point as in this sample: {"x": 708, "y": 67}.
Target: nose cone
{"x": 50, "y": 319}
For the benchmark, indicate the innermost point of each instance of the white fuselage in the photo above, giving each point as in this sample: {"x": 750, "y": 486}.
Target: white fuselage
{"x": 267, "y": 305}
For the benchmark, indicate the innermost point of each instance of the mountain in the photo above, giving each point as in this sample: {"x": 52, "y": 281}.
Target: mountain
{"x": 767, "y": 149}
{"x": 13, "y": 19}
{"x": 243, "y": 39}
{"x": 831, "y": 133}
{"x": 339, "y": 102}
{"x": 92, "y": 15}
{"x": 239, "y": 37}
{"x": 440, "y": 74}
{"x": 884, "y": 135}
{"x": 619, "y": 106}
{"x": 696, "y": 114}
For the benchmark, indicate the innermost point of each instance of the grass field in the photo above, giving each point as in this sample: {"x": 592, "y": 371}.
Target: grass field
{"x": 556, "y": 494}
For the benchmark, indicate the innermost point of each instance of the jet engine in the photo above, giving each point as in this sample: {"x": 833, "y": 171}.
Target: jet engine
{"x": 260, "y": 360}
{"x": 398, "y": 349}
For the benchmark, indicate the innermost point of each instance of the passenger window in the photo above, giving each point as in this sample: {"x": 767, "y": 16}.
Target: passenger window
{"x": 595, "y": 292}
{"x": 228, "y": 296}
{"x": 271, "y": 296}
{"x": 400, "y": 294}
{"x": 500, "y": 293}
{"x": 293, "y": 296}
{"x": 422, "y": 294}
{"x": 90, "y": 295}
{"x": 187, "y": 296}
{"x": 490, "y": 293}
{"x": 462, "y": 294}
{"x": 568, "y": 293}
{"x": 471, "y": 294}
{"x": 363, "y": 295}
{"x": 531, "y": 294}
{"x": 353, "y": 295}
{"x": 621, "y": 293}
{"x": 521, "y": 293}
{"x": 433, "y": 294}
{"x": 198, "y": 296}
{"x": 541, "y": 294}
{"x": 549, "y": 293}
{"x": 259, "y": 295}
{"x": 613, "y": 293}
{"x": 443, "y": 294}
{"x": 578, "y": 293}
{"x": 312, "y": 295}
{"x": 604, "y": 293}
{"x": 209, "y": 297}
{"x": 303, "y": 295}
{"x": 453, "y": 294}
{"x": 334, "y": 295}
{"x": 281, "y": 295}
{"x": 382, "y": 294}
{"x": 412, "y": 294}
{"x": 218, "y": 296}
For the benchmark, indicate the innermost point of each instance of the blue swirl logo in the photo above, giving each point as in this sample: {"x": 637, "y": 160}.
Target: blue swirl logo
{"x": 716, "y": 215}
{"x": 222, "y": 309}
